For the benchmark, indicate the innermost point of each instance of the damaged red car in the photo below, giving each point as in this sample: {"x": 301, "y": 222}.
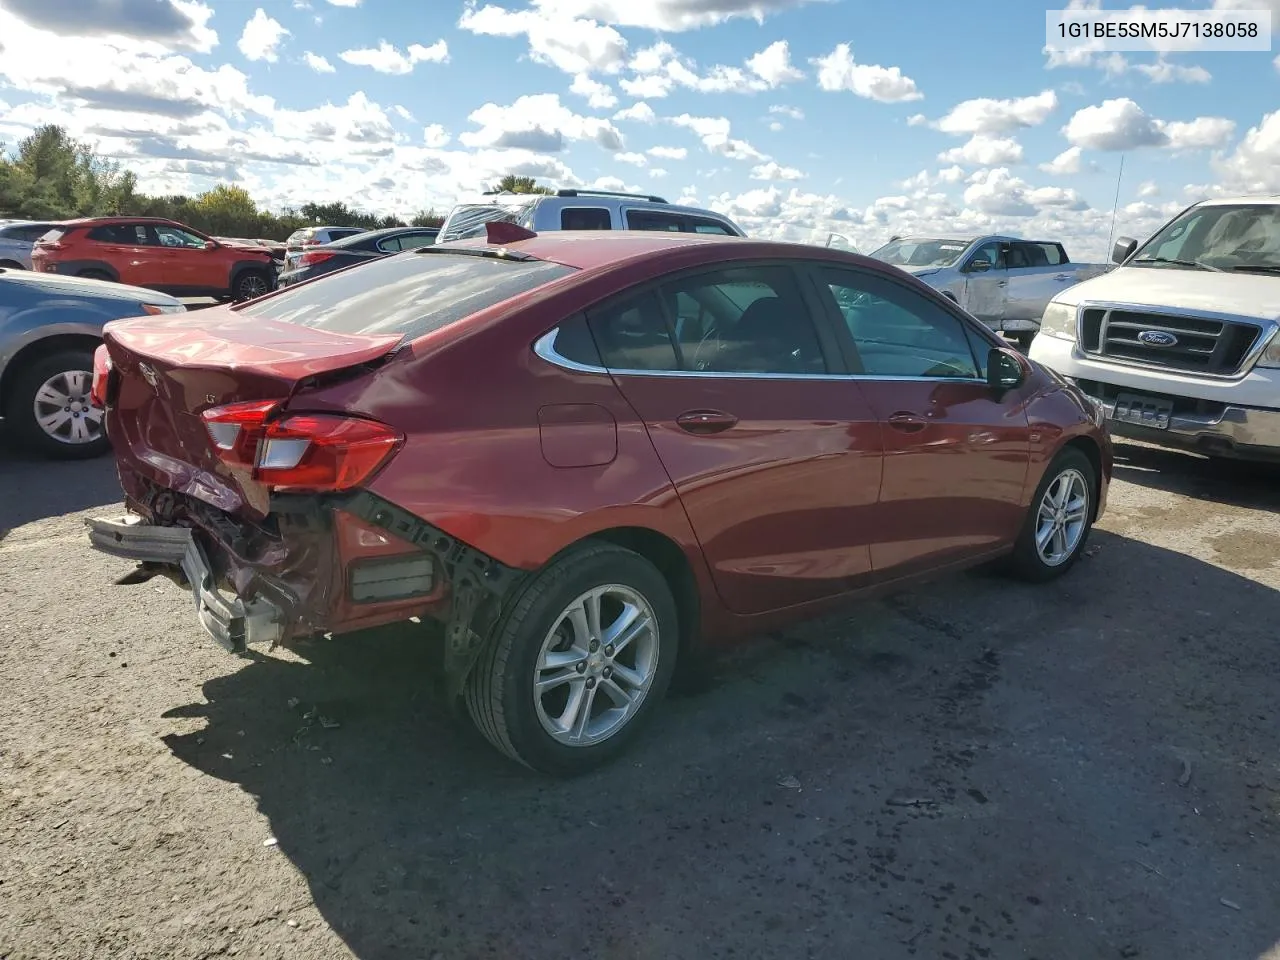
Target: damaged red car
{"x": 589, "y": 457}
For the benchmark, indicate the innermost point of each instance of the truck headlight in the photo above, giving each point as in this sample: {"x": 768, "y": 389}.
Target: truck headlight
{"x": 1271, "y": 356}
{"x": 1059, "y": 320}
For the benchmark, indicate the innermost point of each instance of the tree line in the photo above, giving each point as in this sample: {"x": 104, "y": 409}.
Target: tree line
{"x": 53, "y": 177}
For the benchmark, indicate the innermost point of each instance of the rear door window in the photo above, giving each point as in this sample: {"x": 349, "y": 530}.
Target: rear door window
{"x": 410, "y": 296}
{"x": 655, "y": 220}
{"x": 585, "y": 218}
{"x": 126, "y": 234}
{"x": 714, "y": 227}
{"x": 632, "y": 334}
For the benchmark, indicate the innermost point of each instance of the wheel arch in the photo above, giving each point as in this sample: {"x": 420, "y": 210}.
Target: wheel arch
{"x": 240, "y": 267}
{"x": 672, "y": 562}
{"x": 1090, "y": 448}
{"x": 41, "y": 348}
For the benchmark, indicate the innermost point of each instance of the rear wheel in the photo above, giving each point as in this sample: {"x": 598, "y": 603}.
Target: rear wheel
{"x": 578, "y": 664}
{"x": 95, "y": 275}
{"x": 49, "y": 408}
{"x": 251, "y": 284}
{"x": 1058, "y": 523}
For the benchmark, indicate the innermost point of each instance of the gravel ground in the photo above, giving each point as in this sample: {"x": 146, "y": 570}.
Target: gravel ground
{"x": 974, "y": 769}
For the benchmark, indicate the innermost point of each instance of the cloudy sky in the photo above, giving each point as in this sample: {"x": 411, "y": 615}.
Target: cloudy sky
{"x": 796, "y": 117}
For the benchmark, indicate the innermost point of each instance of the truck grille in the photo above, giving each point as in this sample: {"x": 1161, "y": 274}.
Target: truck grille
{"x": 1202, "y": 345}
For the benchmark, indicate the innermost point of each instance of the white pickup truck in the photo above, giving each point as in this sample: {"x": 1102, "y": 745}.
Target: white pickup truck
{"x": 1179, "y": 344}
{"x": 1003, "y": 281}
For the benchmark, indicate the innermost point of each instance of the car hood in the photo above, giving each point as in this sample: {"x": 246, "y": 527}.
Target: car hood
{"x": 56, "y": 285}
{"x": 1241, "y": 294}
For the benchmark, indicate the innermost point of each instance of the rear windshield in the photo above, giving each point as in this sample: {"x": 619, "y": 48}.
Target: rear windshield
{"x": 468, "y": 219}
{"x": 410, "y": 295}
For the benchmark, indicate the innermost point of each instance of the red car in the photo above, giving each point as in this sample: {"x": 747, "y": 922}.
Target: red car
{"x": 158, "y": 254}
{"x": 587, "y": 456}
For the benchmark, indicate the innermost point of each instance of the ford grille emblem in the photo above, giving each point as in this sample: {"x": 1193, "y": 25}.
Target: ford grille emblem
{"x": 1157, "y": 338}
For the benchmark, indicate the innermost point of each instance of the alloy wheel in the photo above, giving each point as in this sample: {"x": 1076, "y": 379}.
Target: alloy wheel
{"x": 1062, "y": 517}
{"x": 596, "y": 665}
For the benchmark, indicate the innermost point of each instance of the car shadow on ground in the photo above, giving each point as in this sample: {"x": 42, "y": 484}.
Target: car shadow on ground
{"x": 1239, "y": 483}
{"x": 33, "y": 487}
{"x": 963, "y": 770}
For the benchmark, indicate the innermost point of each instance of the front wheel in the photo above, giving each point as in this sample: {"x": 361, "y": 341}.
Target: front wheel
{"x": 579, "y": 662}
{"x": 1058, "y": 523}
{"x": 49, "y": 407}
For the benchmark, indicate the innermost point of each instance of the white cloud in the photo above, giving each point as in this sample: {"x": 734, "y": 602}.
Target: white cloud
{"x": 1254, "y": 165}
{"x": 795, "y": 113}
{"x": 984, "y": 151}
{"x": 317, "y": 63}
{"x": 714, "y": 133}
{"x": 386, "y": 58}
{"x": 640, "y": 112}
{"x": 1162, "y": 71}
{"x": 669, "y": 16}
{"x": 558, "y": 39}
{"x": 657, "y": 172}
{"x": 1148, "y": 188}
{"x": 635, "y": 159}
{"x": 654, "y": 86}
{"x": 988, "y": 116}
{"x": 773, "y": 65}
{"x": 1069, "y": 161}
{"x": 539, "y": 123}
{"x": 158, "y": 25}
{"x": 1122, "y": 125}
{"x": 600, "y": 96}
{"x": 261, "y": 37}
{"x": 775, "y": 171}
{"x": 838, "y": 71}
{"x": 1200, "y": 133}
{"x": 669, "y": 153}
{"x": 1000, "y": 193}
{"x": 345, "y": 3}
{"x": 435, "y": 136}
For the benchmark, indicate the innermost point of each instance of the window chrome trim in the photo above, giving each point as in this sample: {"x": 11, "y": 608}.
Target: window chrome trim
{"x": 544, "y": 348}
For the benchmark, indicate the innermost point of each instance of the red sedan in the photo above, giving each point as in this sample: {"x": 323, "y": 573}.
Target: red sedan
{"x": 587, "y": 456}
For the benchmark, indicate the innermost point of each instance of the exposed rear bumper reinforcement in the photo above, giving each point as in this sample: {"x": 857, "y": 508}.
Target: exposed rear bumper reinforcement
{"x": 232, "y": 622}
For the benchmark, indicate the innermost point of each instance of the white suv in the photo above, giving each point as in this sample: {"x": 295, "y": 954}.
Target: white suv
{"x": 582, "y": 210}
{"x": 299, "y": 240}
{"x": 1180, "y": 345}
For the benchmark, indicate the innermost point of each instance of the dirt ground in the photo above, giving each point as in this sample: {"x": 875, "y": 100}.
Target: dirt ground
{"x": 975, "y": 769}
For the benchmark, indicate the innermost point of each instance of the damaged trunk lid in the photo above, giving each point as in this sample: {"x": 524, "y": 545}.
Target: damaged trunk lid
{"x": 171, "y": 373}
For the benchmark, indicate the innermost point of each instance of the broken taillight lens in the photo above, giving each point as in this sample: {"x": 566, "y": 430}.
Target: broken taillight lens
{"x": 303, "y": 452}
{"x": 101, "y": 376}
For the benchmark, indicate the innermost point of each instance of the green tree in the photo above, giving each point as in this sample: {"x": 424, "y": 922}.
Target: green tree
{"x": 514, "y": 184}
{"x": 426, "y": 218}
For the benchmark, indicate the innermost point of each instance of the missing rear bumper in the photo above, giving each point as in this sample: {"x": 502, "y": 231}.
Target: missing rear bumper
{"x": 232, "y": 622}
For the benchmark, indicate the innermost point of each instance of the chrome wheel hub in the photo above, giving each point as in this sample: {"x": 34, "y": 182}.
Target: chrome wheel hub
{"x": 1062, "y": 517}
{"x": 596, "y": 665}
{"x": 64, "y": 411}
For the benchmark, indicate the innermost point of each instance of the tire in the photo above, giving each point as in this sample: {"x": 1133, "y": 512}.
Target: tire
{"x": 250, "y": 284}
{"x": 69, "y": 372}
{"x": 500, "y": 693}
{"x": 11, "y": 265}
{"x": 1029, "y": 562}
{"x": 95, "y": 275}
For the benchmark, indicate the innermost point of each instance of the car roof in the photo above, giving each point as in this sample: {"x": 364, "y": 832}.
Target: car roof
{"x": 1261, "y": 200}
{"x": 598, "y": 249}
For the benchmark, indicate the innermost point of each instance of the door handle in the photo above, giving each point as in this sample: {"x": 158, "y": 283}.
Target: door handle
{"x": 1062, "y": 276}
{"x": 907, "y": 422}
{"x": 705, "y": 421}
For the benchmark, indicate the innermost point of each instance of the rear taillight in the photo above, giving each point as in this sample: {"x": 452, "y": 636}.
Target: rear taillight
{"x": 312, "y": 257}
{"x": 311, "y": 452}
{"x": 101, "y": 376}
{"x": 46, "y": 245}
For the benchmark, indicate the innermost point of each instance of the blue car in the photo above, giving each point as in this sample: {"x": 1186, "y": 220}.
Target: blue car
{"x": 50, "y": 326}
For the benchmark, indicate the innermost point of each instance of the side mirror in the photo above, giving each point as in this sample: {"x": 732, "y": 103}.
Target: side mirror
{"x": 978, "y": 266}
{"x": 211, "y": 245}
{"x": 1004, "y": 370}
{"x": 1123, "y": 249}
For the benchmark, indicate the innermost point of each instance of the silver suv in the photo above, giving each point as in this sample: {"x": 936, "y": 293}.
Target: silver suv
{"x": 17, "y": 237}
{"x": 299, "y": 240}
{"x": 582, "y": 210}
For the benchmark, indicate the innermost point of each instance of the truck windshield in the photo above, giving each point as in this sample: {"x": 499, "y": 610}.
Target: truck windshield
{"x": 918, "y": 252}
{"x": 1243, "y": 237}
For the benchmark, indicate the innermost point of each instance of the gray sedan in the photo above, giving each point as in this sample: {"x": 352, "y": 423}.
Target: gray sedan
{"x": 50, "y": 326}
